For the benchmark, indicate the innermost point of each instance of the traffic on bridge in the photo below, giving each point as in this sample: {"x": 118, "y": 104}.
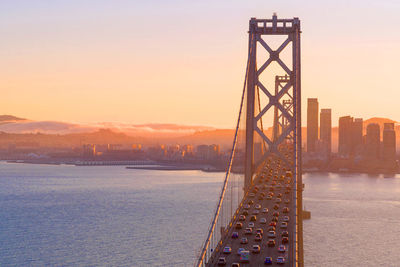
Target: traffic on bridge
{"x": 263, "y": 224}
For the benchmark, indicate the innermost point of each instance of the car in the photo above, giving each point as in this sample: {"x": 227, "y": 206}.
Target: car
{"x": 227, "y": 250}
{"x": 258, "y": 237}
{"x": 271, "y": 194}
{"x": 239, "y": 252}
{"x": 285, "y": 233}
{"x": 271, "y": 234}
{"x": 276, "y": 207}
{"x": 283, "y": 225}
{"x": 238, "y": 225}
{"x": 287, "y": 201}
{"x": 281, "y": 248}
{"x": 285, "y": 240}
{"x": 276, "y": 213}
{"x": 265, "y": 186}
{"x": 244, "y": 240}
{"x": 286, "y": 218}
{"x": 271, "y": 228}
{"x": 258, "y": 206}
{"x": 278, "y": 200}
{"x": 248, "y": 231}
{"x": 235, "y": 264}
{"x": 275, "y": 219}
{"x": 256, "y": 249}
{"x": 256, "y": 212}
{"x": 247, "y": 206}
{"x": 250, "y": 202}
{"x": 272, "y": 224}
{"x": 222, "y": 261}
{"x": 271, "y": 243}
{"x": 235, "y": 235}
{"x": 245, "y": 256}
{"x": 259, "y": 231}
{"x": 280, "y": 260}
{"x": 253, "y": 218}
{"x": 263, "y": 220}
{"x": 245, "y": 212}
{"x": 265, "y": 210}
{"x": 279, "y": 195}
{"x": 269, "y": 197}
{"x": 285, "y": 210}
{"x": 242, "y": 218}
{"x": 268, "y": 261}
{"x": 251, "y": 224}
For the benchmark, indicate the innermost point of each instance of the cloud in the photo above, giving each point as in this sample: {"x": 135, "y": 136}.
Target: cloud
{"x": 49, "y": 127}
{"x": 55, "y": 127}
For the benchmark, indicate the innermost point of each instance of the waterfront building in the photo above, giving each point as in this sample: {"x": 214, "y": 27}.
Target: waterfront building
{"x": 345, "y": 135}
{"x": 389, "y": 142}
{"x": 208, "y": 152}
{"x": 312, "y": 124}
{"x": 326, "y": 131}
{"x": 373, "y": 141}
{"x": 89, "y": 150}
{"x": 357, "y": 136}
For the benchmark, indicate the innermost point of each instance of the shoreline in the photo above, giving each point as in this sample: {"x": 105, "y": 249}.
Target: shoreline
{"x": 138, "y": 165}
{"x": 162, "y": 166}
{"x": 176, "y": 168}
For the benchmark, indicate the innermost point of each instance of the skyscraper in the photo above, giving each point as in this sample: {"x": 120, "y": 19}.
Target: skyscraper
{"x": 345, "y": 135}
{"x": 389, "y": 142}
{"x": 312, "y": 124}
{"x": 373, "y": 141}
{"x": 326, "y": 131}
{"x": 357, "y": 136}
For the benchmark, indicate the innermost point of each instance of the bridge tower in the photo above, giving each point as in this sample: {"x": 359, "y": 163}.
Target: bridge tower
{"x": 285, "y": 100}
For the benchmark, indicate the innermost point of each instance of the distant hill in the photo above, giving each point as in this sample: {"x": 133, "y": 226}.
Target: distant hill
{"x": 6, "y": 118}
{"x": 379, "y": 121}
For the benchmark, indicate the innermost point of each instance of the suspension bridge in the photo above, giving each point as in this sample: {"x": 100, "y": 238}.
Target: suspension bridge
{"x": 258, "y": 216}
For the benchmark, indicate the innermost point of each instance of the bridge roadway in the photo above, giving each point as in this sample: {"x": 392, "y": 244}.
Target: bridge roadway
{"x": 273, "y": 179}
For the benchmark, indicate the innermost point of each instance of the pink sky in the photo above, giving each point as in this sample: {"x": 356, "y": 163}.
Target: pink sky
{"x": 180, "y": 62}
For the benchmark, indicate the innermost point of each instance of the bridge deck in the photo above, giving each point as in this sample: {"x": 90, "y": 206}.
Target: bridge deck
{"x": 273, "y": 179}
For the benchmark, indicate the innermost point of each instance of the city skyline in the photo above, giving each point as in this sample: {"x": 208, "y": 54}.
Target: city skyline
{"x": 256, "y": 128}
{"x": 80, "y": 56}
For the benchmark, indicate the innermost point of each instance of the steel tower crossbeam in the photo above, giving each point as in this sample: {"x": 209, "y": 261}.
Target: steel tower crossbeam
{"x": 289, "y": 109}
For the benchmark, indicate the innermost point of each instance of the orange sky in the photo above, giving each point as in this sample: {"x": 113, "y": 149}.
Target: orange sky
{"x": 178, "y": 62}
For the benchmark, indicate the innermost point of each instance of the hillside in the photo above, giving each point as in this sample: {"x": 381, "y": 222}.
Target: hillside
{"x": 379, "y": 121}
{"x": 9, "y": 118}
